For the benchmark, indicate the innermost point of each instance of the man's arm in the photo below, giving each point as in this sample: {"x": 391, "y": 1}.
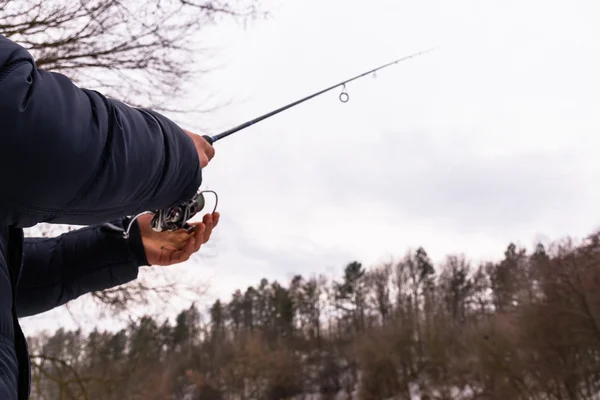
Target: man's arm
{"x": 58, "y": 270}
{"x": 71, "y": 155}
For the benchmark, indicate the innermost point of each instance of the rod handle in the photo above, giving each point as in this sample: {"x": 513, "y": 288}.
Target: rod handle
{"x": 209, "y": 139}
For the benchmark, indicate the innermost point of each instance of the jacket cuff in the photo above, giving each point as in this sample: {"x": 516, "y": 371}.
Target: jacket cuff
{"x": 135, "y": 243}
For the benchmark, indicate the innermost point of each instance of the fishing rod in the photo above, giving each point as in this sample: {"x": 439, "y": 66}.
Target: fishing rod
{"x": 175, "y": 218}
{"x": 344, "y": 97}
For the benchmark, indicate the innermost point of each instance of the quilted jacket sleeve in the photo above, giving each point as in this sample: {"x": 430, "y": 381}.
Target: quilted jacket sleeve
{"x": 72, "y": 155}
{"x": 60, "y": 269}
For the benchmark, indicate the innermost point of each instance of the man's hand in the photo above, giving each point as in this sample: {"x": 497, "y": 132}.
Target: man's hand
{"x": 168, "y": 248}
{"x": 206, "y": 152}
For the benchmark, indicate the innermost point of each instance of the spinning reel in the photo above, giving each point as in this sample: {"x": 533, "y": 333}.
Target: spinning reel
{"x": 176, "y": 217}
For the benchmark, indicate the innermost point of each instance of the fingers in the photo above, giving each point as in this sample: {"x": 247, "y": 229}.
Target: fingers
{"x": 206, "y": 151}
{"x": 197, "y": 239}
{"x": 216, "y": 217}
{"x": 201, "y": 235}
{"x": 209, "y": 150}
{"x": 210, "y": 223}
{"x": 203, "y": 230}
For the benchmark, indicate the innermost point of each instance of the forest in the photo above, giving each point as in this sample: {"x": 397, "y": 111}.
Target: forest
{"x": 524, "y": 327}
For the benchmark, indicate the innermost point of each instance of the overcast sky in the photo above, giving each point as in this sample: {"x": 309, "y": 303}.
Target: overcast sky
{"x": 491, "y": 139}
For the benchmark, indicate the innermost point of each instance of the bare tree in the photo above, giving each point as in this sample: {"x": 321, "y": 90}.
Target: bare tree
{"x": 144, "y": 53}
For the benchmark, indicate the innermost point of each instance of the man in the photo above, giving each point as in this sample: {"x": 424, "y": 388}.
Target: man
{"x": 71, "y": 155}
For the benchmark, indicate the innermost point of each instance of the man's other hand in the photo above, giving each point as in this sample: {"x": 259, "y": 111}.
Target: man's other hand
{"x": 168, "y": 248}
{"x": 206, "y": 152}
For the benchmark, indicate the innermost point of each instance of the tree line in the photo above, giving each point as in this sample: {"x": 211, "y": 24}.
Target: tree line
{"x": 525, "y": 327}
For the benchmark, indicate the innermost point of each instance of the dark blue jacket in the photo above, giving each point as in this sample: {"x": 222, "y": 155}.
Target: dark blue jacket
{"x": 71, "y": 155}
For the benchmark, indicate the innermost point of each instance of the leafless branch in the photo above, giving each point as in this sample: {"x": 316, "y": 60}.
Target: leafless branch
{"x": 142, "y": 53}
